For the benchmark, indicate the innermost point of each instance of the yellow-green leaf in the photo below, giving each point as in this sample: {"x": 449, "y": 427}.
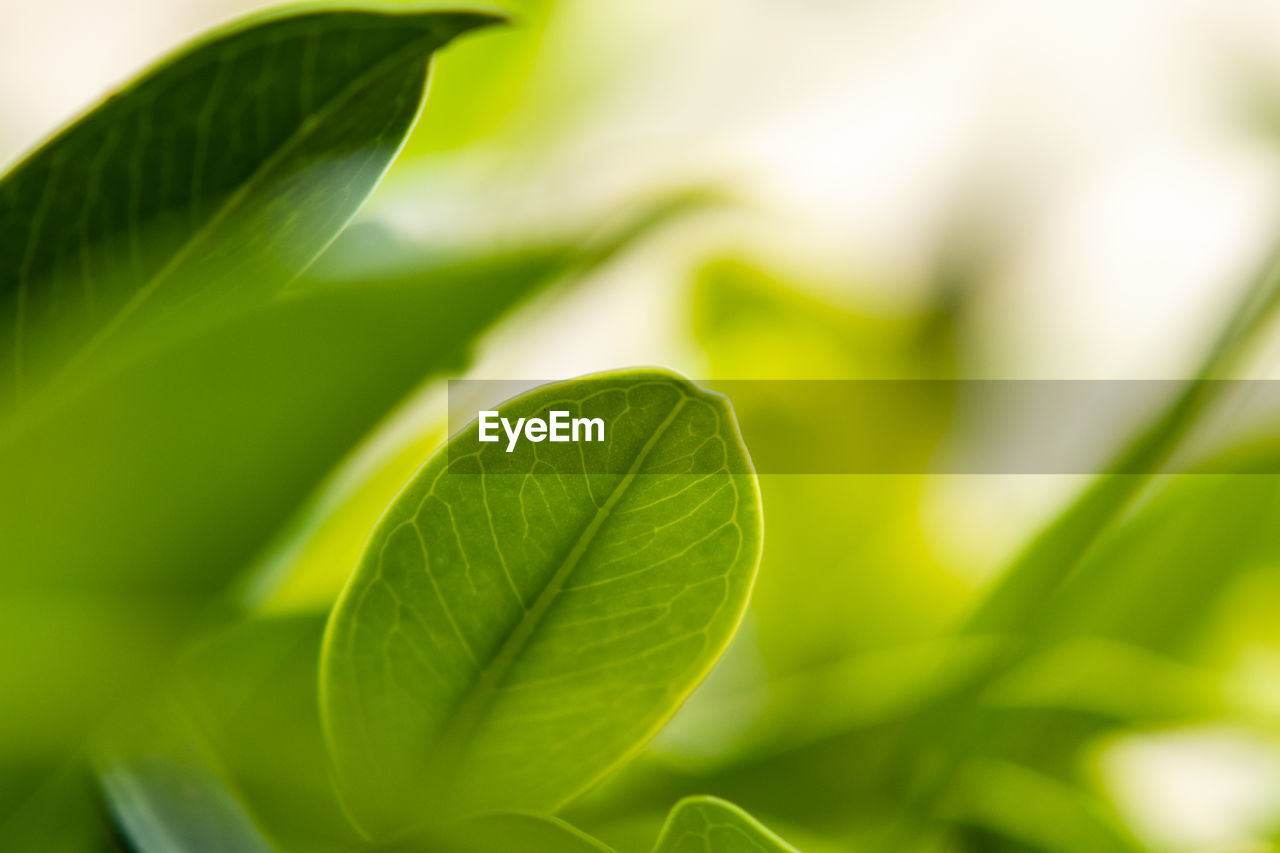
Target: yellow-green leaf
{"x": 521, "y": 622}
{"x": 710, "y": 825}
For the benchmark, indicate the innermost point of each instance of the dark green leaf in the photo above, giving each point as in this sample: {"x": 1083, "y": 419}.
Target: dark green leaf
{"x": 59, "y": 812}
{"x": 231, "y": 165}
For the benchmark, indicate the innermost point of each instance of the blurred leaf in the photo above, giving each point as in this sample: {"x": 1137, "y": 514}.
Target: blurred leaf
{"x": 1017, "y": 601}
{"x": 1128, "y": 684}
{"x": 1040, "y": 811}
{"x": 1025, "y": 600}
{"x": 307, "y": 567}
{"x": 750, "y": 718}
{"x": 831, "y": 794}
{"x": 709, "y": 825}
{"x": 164, "y": 808}
{"x": 736, "y": 304}
{"x": 164, "y": 785}
{"x": 1116, "y": 638}
{"x": 502, "y": 833}
{"x": 249, "y": 693}
{"x": 518, "y": 627}
{"x": 59, "y": 812}
{"x": 232, "y": 164}
{"x": 185, "y": 462}
{"x": 1182, "y": 549}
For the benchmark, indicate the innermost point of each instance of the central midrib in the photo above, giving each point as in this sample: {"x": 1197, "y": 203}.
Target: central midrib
{"x": 478, "y": 697}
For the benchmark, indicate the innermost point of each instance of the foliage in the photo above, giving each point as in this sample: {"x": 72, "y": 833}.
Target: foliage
{"x": 252, "y": 599}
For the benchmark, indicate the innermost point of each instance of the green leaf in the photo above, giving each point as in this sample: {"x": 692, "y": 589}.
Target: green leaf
{"x": 165, "y": 808}
{"x": 710, "y": 825}
{"x": 249, "y": 694}
{"x": 1023, "y": 593}
{"x": 59, "y": 812}
{"x": 522, "y": 622}
{"x": 231, "y": 165}
{"x": 1026, "y": 600}
{"x": 1195, "y": 537}
{"x": 164, "y": 788}
{"x": 1044, "y": 813}
{"x": 160, "y": 450}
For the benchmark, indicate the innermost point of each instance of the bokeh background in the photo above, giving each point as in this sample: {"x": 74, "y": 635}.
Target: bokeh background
{"x": 979, "y": 189}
